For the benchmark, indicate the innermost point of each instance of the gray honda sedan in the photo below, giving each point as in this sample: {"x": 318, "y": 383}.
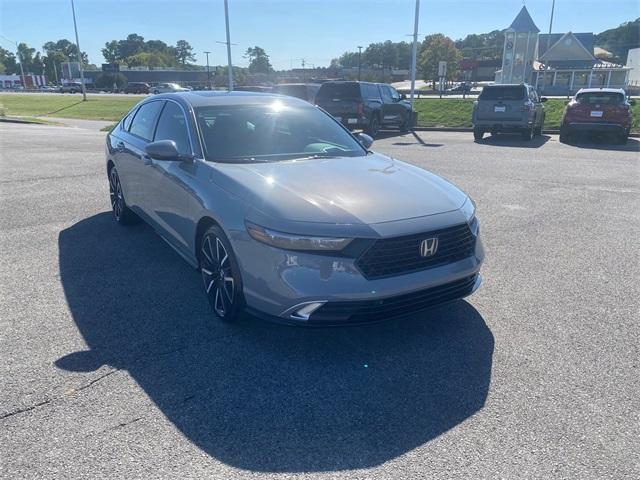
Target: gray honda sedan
{"x": 288, "y": 215}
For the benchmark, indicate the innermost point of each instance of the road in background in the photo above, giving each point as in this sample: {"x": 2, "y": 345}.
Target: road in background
{"x": 114, "y": 367}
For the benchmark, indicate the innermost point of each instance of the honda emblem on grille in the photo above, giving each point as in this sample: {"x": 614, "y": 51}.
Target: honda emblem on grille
{"x": 428, "y": 247}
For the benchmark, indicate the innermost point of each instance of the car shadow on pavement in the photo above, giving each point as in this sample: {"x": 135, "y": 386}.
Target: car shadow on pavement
{"x": 260, "y": 396}
{"x": 513, "y": 140}
{"x": 604, "y": 143}
{"x": 407, "y": 138}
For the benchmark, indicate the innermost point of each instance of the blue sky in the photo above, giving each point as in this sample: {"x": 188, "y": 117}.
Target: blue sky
{"x": 289, "y": 30}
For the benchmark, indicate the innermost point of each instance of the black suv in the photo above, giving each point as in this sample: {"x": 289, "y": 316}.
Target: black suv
{"x": 366, "y": 106}
{"x": 137, "y": 87}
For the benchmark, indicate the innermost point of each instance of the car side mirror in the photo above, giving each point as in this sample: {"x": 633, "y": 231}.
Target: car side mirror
{"x": 165, "y": 150}
{"x": 543, "y": 99}
{"x": 365, "y": 140}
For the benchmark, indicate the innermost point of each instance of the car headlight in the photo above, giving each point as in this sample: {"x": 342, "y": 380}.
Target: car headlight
{"x": 468, "y": 209}
{"x": 289, "y": 241}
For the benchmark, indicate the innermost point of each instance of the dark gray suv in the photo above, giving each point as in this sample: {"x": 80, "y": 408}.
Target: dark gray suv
{"x": 366, "y": 106}
{"x": 508, "y": 108}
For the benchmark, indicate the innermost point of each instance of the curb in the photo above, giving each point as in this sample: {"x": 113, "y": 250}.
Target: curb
{"x": 18, "y": 120}
{"x": 469, "y": 129}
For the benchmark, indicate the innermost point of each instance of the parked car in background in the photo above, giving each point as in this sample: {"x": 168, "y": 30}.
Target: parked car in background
{"x": 605, "y": 110}
{"x": 71, "y": 88}
{"x": 253, "y": 88}
{"x": 137, "y": 87}
{"x": 168, "y": 88}
{"x": 366, "y": 106}
{"x": 47, "y": 88}
{"x": 508, "y": 108}
{"x": 303, "y": 91}
{"x": 463, "y": 87}
{"x": 286, "y": 214}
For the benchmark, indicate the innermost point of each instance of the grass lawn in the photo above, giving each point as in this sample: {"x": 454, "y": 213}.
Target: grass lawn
{"x": 456, "y": 112}
{"x": 97, "y": 107}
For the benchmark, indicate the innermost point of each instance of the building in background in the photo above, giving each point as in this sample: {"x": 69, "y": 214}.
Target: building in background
{"x": 633, "y": 64}
{"x": 30, "y": 81}
{"x": 557, "y": 63}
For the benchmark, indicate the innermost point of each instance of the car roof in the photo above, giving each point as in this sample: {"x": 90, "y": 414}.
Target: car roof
{"x": 594, "y": 90}
{"x": 207, "y": 99}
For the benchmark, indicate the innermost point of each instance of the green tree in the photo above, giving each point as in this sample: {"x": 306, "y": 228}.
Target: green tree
{"x": 483, "y": 46}
{"x": 620, "y": 39}
{"x": 8, "y": 62}
{"x": 184, "y": 52}
{"x": 437, "y": 48}
{"x": 108, "y": 80}
{"x": 258, "y": 60}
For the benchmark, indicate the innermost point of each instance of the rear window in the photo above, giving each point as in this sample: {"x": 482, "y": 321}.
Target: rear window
{"x": 516, "y": 92}
{"x": 299, "y": 91}
{"x": 600, "y": 98}
{"x": 339, "y": 91}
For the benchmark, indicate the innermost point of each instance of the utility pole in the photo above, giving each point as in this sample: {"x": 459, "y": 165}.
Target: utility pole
{"x": 414, "y": 52}
{"x": 208, "y": 72}
{"x": 359, "y": 63}
{"x": 553, "y": 7}
{"x": 226, "y": 19}
{"x": 304, "y": 74}
{"x": 75, "y": 27}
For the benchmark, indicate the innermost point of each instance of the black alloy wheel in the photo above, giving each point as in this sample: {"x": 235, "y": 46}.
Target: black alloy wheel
{"x": 220, "y": 275}
{"x": 121, "y": 212}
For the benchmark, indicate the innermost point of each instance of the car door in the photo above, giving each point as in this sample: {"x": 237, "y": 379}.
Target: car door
{"x": 174, "y": 200}
{"x": 132, "y": 167}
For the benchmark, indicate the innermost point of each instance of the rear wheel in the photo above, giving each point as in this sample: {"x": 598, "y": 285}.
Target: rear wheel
{"x": 622, "y": 138}
{"x": 221, "y": 275}
{"x": 374, "y": 126}
{"x": 538, "y": 130}
{"x": 527, "y": 134}
{"x": 405, "y": 126}
{"x": 121, "y": 212}
{"x": 478, "y": 134}
{"x": 564, "y": 135}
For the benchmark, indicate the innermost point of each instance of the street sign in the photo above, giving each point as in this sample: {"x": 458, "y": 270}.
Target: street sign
{"x": 442, "y": 69}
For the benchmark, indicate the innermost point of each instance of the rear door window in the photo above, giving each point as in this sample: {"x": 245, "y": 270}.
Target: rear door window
{"x": 339, "y": 91}
{"x": 144, "y": 122}
{"x": 516, "y": 92}
{"x": 386, "y": 94}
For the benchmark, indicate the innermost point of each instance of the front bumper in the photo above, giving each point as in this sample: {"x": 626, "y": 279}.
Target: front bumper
{"x": 278, "y": 282}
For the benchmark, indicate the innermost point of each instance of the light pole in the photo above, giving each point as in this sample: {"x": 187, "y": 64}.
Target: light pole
{"x": 226, "y": 19}
{"x": 414, "y": 52}
{"x": 75, "y": 27}
{"x": 208, "y": 72}
{"x": 359, "y": 64}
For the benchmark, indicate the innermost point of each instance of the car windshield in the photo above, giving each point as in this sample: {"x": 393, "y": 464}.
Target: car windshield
{"x": 338, "y": 91}
{"x": 273, "y": 132}
{"x": 516, "y": 92}
{"x": 600, "y": 98}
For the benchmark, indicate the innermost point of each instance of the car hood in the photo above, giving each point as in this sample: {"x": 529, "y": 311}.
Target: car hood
{"x": 344, "y": 190}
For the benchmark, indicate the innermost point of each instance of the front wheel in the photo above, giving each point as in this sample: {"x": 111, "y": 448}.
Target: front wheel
{"x": 405, "y": 126}
{"x": 221, "y": 275}
{"x": 374, "y": 126}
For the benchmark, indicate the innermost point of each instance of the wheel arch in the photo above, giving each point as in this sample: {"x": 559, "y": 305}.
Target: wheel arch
{"x": 202, "y": 226}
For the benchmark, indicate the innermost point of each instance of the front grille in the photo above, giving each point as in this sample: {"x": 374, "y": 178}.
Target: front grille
{"x": 399, "y": 255}
{"x": 363, "y": 311}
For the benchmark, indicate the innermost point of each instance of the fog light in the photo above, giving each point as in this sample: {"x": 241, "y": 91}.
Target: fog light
{"x": 305, "y": 311}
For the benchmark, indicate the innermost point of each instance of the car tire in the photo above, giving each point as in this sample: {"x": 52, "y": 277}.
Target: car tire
{"x": 156, "y": 92}
{"x": 478, "y": 134}
{"x": 121, "y": 212}
{"x": 564, "y": 135}
{"x": 405, "y": 126}
{"x": 374, "y": 126}
{"x": 527, "y": 134}
{"x": 220, "y": 275}
{"x": 538, "y": 130}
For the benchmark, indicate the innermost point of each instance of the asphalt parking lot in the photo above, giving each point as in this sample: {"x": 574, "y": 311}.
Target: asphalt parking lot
{"x": 113, "y": 367}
